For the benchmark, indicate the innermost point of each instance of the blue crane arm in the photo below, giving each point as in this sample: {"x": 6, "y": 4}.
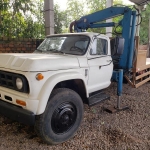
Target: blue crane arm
{"x": 89, "y": 21}
{"x": 128, "y": 24}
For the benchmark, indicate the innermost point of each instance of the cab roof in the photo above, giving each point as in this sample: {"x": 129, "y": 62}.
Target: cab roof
{"x": 90, "y": 34}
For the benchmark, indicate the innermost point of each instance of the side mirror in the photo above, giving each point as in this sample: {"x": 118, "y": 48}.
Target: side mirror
{"x": 117, "y": 46}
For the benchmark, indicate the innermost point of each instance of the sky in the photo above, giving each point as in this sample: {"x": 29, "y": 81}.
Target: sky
{"x": 62, "y": 3}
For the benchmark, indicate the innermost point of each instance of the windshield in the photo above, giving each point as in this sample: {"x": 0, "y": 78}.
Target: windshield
{"x": 67, "y": 44}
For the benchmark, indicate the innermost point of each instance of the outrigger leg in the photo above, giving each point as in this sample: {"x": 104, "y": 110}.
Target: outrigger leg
{"x": 118, "y": 77}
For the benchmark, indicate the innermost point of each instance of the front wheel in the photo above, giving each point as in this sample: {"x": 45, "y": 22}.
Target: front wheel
{"x": 62, "y": 117}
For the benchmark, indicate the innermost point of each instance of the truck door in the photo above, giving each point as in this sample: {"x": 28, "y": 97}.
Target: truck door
{"x": 100, "y": 65}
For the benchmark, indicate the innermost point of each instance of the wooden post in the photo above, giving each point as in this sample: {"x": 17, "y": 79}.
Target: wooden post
{"x": 149, "y": 39}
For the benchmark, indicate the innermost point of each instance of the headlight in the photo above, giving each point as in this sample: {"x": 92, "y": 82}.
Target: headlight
{"x": 19, "y": 83}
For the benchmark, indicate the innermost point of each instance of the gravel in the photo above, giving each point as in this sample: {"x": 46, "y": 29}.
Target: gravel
{"x": 125, "y": 130}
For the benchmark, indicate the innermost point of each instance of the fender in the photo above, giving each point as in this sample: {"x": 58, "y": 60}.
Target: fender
{"x": 50, "y": 84}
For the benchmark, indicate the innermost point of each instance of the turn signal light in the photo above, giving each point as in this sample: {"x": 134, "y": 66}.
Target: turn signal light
{"x": 39, "y": 76}
{"x": 20, "y": 102}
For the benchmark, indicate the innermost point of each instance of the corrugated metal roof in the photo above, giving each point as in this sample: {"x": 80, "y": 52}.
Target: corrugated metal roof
{"x": 140, "y": 2}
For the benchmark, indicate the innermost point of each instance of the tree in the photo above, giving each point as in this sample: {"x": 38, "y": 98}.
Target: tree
{"x": 19, "y": 18}
{"x": 75, "y": 10}
{"x": 58, "y": 19}
{"x": 3, "y": 14}
{"x": 21, "y": 6}
{"x": 64, "y": 18}
{"x": 144, "y": 26}
{"x": 96, "y": 5}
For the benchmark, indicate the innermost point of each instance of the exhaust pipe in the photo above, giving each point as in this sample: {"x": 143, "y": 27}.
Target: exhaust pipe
{"x": 71, "y": 26}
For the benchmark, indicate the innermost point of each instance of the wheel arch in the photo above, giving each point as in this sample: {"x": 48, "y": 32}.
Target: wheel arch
{"x": 52, "y": 83}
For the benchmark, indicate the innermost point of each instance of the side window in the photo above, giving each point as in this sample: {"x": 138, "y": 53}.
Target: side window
{"x": 81, "y": 44}
{"x": 100, "y": 47}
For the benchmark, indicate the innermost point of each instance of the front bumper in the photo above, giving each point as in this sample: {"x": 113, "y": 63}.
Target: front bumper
{"x": 17, "y": 113}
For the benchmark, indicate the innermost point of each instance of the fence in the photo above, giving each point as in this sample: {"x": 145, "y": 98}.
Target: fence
{"x": 21, "y": 19}
{"x": 21, "y": 25}
{"x": 21, "y": 45}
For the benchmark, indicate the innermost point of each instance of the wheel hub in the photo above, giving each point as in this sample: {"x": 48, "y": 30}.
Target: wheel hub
{"x": 63, "y": 118}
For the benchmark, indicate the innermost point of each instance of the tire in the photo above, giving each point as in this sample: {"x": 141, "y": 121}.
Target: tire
{"x": 62, "y": 117}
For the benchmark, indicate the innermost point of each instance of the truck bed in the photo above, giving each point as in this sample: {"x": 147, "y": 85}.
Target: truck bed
{"x": 147, "y": 61}
{"x": 140, "y": 73}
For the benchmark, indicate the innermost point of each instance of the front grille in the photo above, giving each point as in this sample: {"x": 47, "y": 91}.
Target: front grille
{"x": 8, "y": 80}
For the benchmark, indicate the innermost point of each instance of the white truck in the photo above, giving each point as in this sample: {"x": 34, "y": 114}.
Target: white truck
{"x": 47, "y": 88}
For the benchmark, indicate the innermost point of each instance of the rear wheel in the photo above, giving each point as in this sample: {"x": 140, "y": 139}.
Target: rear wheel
{"x": 62, "y": 117}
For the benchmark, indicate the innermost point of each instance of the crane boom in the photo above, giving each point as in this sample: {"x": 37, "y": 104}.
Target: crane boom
{"x": 128, "y": 24}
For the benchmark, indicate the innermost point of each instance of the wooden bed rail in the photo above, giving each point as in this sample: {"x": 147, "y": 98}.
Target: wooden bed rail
{"x": 140, "y": 73}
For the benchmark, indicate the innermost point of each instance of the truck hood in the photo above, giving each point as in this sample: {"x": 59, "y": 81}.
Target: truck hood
{"x": 37, "y": 62}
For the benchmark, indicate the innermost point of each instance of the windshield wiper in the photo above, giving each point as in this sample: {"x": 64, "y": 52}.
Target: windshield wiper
{"x": 39, "y": 50}
{"x": 51, "y": 50}
{"x": 55, "y": 51}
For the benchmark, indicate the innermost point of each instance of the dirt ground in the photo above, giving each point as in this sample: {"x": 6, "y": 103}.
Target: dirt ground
{"x": 126, "y": 130}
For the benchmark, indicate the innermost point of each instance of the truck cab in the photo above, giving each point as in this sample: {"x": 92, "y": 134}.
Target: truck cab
{"x": 92, "y": 51}
{"x": 47, "y": 88}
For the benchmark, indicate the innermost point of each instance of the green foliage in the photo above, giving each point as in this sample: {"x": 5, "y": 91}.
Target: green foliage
{"x": 144, "y": 26}
{"x": 58, "y": 19}
{"x": 20, "y": 18}
{"x": 21, "y": 6}
{"x": 75, "y": 10}
{"x": 63, "y": 19}
{"x": 96, "y": 5}
{"x": 117, "y": 2}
